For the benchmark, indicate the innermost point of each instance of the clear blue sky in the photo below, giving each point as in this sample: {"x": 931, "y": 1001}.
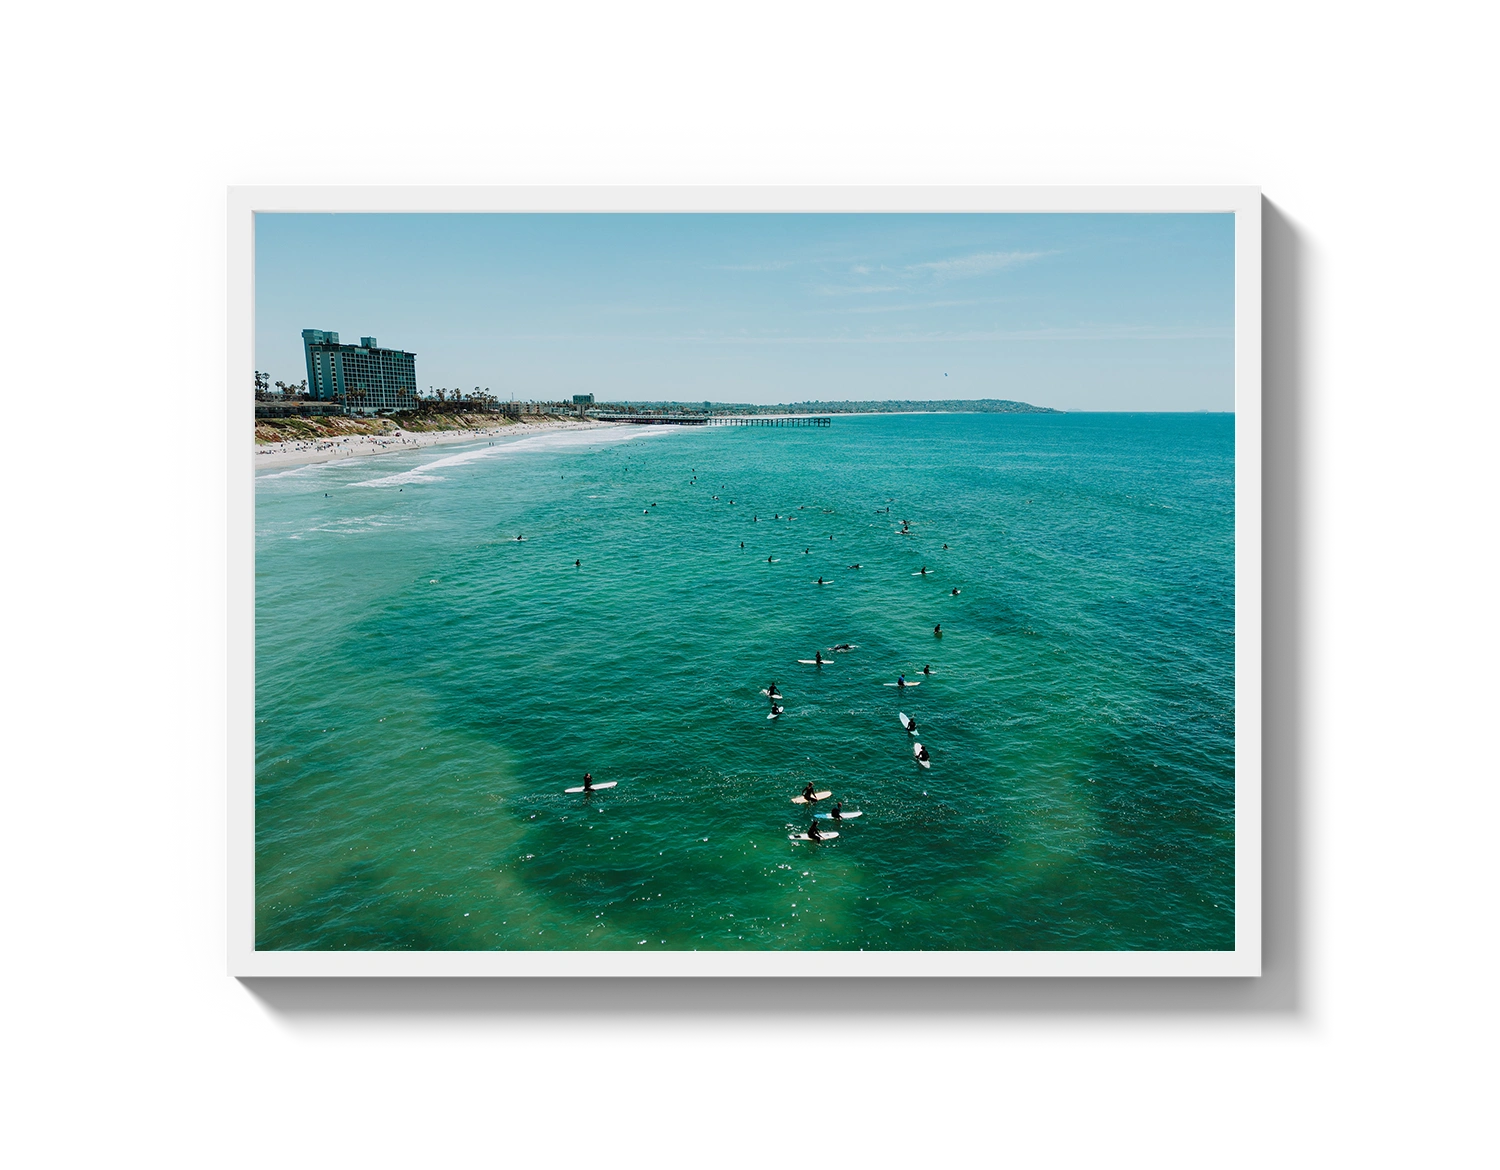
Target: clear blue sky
{"x": 1080, "y": 312}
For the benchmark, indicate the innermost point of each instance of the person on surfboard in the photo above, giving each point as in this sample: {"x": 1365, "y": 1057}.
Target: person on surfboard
{"x": 927, "y": 669}
{"x": 937, "y": 630}
{"x": 818, "y": 658}
{"x": 812, "y": 832}
{"x": 911, "y": 727}
{"x": 922, "y": 753}
{"x": 588, "y": 782}
{"x": 838, "y": 811}
{"x": 809, "y": 793}
{"x": 901, "y": 680}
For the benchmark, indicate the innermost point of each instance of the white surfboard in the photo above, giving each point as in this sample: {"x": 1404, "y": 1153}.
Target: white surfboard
{"x": 816, "y": 796}
{"x": 595, "y": 788}
{"x": 910, "y": 684}
{"x": 848, "y": 816}
{"x": 805, "y": 837}
{"x": 775, "y": 713}
{"x": 916, "y": 750}
{"x": 921, "y": 574}
{"x": 768, "y": 694}
{"x": 906, "y": 720}
{"x": 813, "y": 662}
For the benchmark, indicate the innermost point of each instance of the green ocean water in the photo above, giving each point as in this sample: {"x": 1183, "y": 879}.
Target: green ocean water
{"x": 427, "y": 686}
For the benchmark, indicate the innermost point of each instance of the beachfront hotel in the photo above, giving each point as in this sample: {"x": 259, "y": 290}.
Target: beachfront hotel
{"x": 364, "y": 377}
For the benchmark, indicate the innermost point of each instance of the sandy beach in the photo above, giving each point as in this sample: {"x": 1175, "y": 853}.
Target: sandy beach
{"x": 292, "y": 452}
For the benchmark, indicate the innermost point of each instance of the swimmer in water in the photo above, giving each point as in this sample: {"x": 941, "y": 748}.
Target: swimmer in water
{"x": 844, "y": 646}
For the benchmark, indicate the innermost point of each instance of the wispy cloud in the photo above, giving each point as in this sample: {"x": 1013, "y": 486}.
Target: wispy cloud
{"x": 977, "y": 264}
{"x": 1102, "y": 332}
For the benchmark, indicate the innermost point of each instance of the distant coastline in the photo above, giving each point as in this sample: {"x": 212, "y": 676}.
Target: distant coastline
{"x": 863, "y": 406}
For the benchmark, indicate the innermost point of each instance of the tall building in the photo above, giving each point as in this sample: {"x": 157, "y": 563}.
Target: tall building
{"x": 364, "y": 377}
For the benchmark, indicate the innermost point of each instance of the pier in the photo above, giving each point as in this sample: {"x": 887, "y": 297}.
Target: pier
{"x": 718, "y": 420}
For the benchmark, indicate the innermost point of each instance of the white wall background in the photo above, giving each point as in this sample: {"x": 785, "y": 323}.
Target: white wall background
{"x": 108, "y": 1062}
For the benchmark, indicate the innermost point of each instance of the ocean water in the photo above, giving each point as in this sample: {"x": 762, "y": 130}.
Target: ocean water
{"x": 427, "y": 686}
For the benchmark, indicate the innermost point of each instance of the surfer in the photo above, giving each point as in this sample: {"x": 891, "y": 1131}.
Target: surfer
{"x": 955, "y": 592}
{"x": 773, "y": 692}
{"x": 812, "y": 832}
{"x": 937, "y": 630}
{"x": 922, "y": 755}
{"x": 809, "y": 793}
{"x": 945, "y": 546}
{"x": 901, "y": 680}
{"x": 924, "y": 571}
{"x": 742, "y": 544}
{"x": 818, "y": 657}
{"x": 820, "y": 580}
{"x": 844, "y": 646}
{"x": 578, "y": 564}
{"x": 927, "y": 669}
{"x": 768, "y": 560}
{"x": 911, "y": 727}
{"x": 588, "y": 782}
{"x": 838, "y": 811}
{"x": 855, "y": 566}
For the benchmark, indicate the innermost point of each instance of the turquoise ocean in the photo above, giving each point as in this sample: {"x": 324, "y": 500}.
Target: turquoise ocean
{"x": 427, "y": 686}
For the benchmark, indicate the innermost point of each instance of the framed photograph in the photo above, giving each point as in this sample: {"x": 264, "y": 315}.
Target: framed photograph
{"x": 744, "y": 581}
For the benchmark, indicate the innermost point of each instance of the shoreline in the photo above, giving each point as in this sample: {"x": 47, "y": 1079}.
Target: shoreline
{"x": 297, "y": 452}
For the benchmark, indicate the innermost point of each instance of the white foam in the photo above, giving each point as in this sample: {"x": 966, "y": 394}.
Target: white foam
{"x": 550, "y": 441}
